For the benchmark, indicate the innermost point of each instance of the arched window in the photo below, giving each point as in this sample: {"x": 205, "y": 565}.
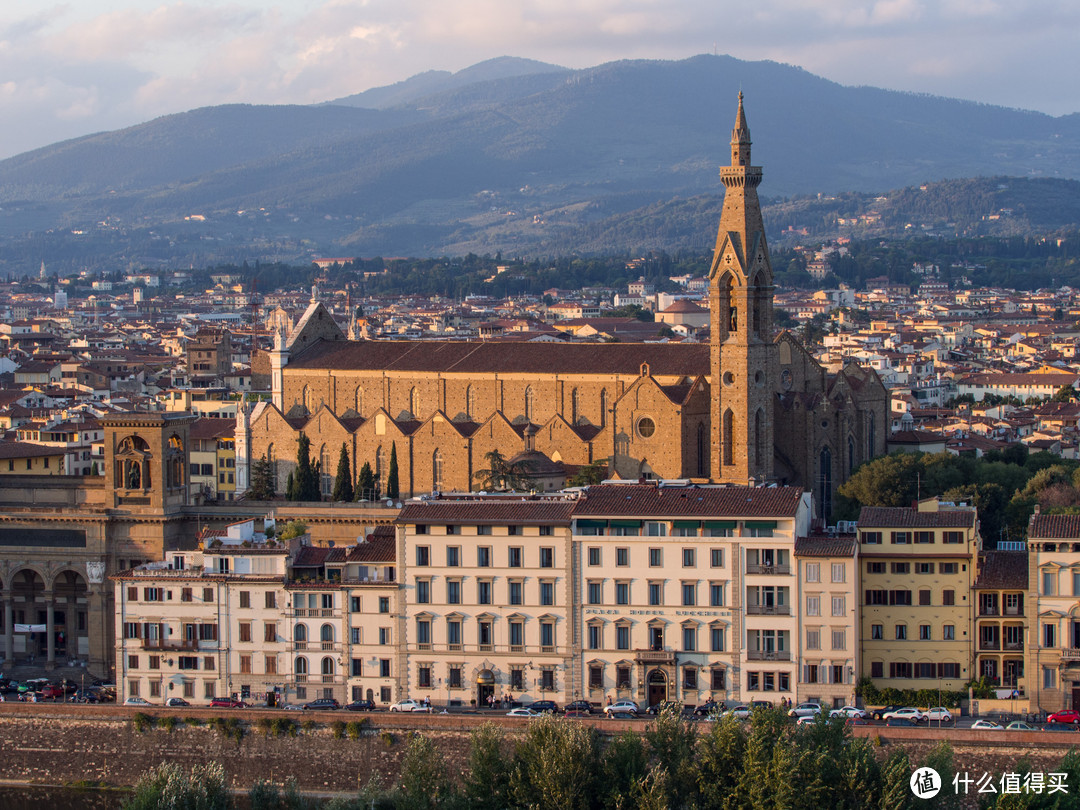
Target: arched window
{"x": 358, "y": 406}
{"x": 528, "y": 404}
{"x": 305, "y": 397}
{"x": 727, "y": 439}
{"x": 436, "y": 470}
{"x": 850, "y": 454}
{"x": 414, "y": 403}
{"x": 327, "y": 665}
{"x": 470, "y": 402}
{"x": 273, "y": 466}
{"x": 379, "y": 469}
{"x": 757, "y": 294}
{"x": 326, "y": 471}
{"x": 724, "y": 318}
{"x": 759, "y": 442}
{"x": 575, "y": 407}
{"x": 702, "y": 451}
{"x": 300, "y": 632}
{"x": 326, "y": 632}
{"x": 870, "y": 438}
{"x": 825, "y": 478}
{"x": 301, "y": 666}
{"x": 603, "y": 408}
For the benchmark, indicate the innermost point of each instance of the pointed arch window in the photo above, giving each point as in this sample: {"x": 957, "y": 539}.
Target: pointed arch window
{"x": 728, "y": 438}
{"x": 379, "y": 469}
{"x": 603, "y": 408}
{"x": 414, "y": 403}
{"x": 825, "y": 482}
{"x": 850, "y": 455}
{"x": 305, "y": 397}
{"x": 575, "y": 407}
{"x": 326, "y": 471}
{"x": 529, "y": 412}
{"x": 470, "y": 402}
{"x": 359, "y": 404}
{"x": 437, "y": 470}
{"x": 870, "y": 437}
{"x": 759, "y": 442}
{"x": 702, "y": 451}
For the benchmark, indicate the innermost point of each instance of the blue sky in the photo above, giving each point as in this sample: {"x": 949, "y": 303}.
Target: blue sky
{"x": 68, "y": 69}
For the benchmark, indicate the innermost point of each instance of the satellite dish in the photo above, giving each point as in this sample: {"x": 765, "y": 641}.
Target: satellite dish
{"x": 389, "y": 503}
{"x": 398, "y": 504}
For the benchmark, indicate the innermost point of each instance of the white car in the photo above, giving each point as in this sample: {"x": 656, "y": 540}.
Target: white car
{"x": 987, "y": 725}
{"x": 914, "y": 715}
{"x": 137, "y": 701}
{"x": 806, "y": 710}
{"x": 849, "y": 711}
{"x": 523, "y": 711}
{"x": 742, "y": 712}
{"x": 409, "y": 705}
{"x": 807, "y": 720}
{"x": 938, "y": 714}
{"x": 621, "y": 707}
{"x": 292, "y": 707}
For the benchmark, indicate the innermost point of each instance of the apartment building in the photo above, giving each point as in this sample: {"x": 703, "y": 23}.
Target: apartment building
{"x": 1000, "y": 620}
{"x": 1053, "y": 614}
{"x": 917, "y": 569}
{"x": 828, "y": 576}
{"x": 487, "y": 599}
{"x": 686, "y": 592}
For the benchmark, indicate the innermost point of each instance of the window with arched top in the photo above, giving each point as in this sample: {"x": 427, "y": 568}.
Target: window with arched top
{"x": 358, "y": 405}
{"x": 379, "y": 469}
{"x": 529, "y": 404}
{"x": 470, "y": 402}
{"x": 301, "y": 666}
{"x": 850, "y": 454}
{"x": 825, "y": 482}
{"x": 326, "y": 471}
{"x": 603, "y": 408}
{"x": 702, "y": 451}
{"x": 575, "y": 407}
{"x": 326, "y": 632}
{"x": 870, "y": 437}
{"x": 727, "y": 438}
{"x": 300, "y": 632}
{"x": 327, "y": 665}
{"x": 760, "y": 434}
{"x": 305, "y": 397}
{"x": 437, "y": 470}
{"x": 414, "y": 403}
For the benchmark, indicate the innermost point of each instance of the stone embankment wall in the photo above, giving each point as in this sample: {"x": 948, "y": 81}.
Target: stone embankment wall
{"x": 61, "y": 744}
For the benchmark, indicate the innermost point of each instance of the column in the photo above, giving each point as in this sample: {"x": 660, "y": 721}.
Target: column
{"x": 9, "y": 631}
{"x": 50, "y": 631}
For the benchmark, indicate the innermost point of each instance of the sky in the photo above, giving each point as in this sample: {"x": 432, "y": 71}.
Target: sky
{"x": 70, "y": 69}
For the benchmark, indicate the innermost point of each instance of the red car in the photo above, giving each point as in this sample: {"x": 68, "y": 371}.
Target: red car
{"x": 1065, "y": 716}
{"x": 227, "y": 703}
{"x": 52, "y": 691}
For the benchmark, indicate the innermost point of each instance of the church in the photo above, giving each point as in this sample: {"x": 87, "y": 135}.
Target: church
{"x": 748, "y": 408}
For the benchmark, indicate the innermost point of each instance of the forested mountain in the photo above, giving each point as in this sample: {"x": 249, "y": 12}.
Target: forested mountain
{"x": 517, "y": 156}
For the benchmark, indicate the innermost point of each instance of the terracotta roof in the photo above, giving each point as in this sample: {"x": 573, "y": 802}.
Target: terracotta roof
{"x": 650, "y": 500}
{"x": 208, "y": 428}
{"x": 902, "y": 517}
{"x": 314, "y": 556}
{"x": 1003, "y": 569}
{"x": 484, "y": 512}
{"x": 483, "y": 358}
{"x": 1054, "y": 527}
{"x": 377, "y": 548}
{"x": 826, "y": 545}
{"x": 28, "y": 450}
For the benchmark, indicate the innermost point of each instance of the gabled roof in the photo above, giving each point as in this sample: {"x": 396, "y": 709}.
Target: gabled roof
{"x": 489, "y": 512}
{"x": 1054, "y": 527}
{"x": 1003, "y": 569}
{"x": 650, "y": 500}
{"x": 903, "y": 517}
{"x": 841, "y": 545}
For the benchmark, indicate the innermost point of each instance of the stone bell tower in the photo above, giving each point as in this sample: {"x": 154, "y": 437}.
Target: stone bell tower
{"x": 743, "y": 357}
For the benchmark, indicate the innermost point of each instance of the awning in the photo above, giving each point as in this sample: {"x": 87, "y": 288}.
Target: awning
{"x": 760, "y": 524}
{"x": 591, "y": 524}
{"x": 721, "y": 524}
{"x": 626, "y": 524}
{"x": 685, "y": 524}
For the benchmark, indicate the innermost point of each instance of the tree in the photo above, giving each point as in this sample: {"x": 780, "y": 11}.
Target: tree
{"x": 673, "y": 742}
{"x": 294, "y": 528}
{"x": 625, "y": 765}
{"x": 290, "y": 488}
{"x": 501, "y": 474}
{"x": 343, "y": 488}
{"x": 306, "y": 480}
{"x": 486, "y": 785}
{"x": 261, "y": 486}
{"x": 167, "y": 785}
{"x": 392, "y": 490}
{"x": 557, "y": 765}
{"x": 887, "y": 481}
{"x": 590, "y": 474}
{"x": 1064, "y": 394}
{"x": 423, "y": 781}
{"x": 365, "y": 484}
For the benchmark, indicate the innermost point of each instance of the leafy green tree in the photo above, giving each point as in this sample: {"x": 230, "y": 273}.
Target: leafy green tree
{"x": 261, "y": 487}
{"x": 306, "y": 480}
{"x": 719, "y": 762}
{"x": 168, "y": 785}
{"x": 625, "y": 764}
{"x": 365, "y": 484}
{"x": 392, "y": 488}
{"x": 589, "y": 475}
{"x": 424, "y": 782}
{"x": 556, "y": 766}
{"x": 343, "y": 488}
{"x": 896, "y": 782}
{"x": 486, "y": 783}
{"x": 1064, "y": 394}
{"x": 294, "y": 528}
{"x": 887, "y": 481}
{"x": 673, "y": 742}
{"x": 941, "y": 760}
{"x": 500, "y": 474}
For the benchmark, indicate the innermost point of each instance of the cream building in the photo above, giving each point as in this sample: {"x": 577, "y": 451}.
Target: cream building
{"x": 917, "y": 569}
{"x": 1053, "y": 612}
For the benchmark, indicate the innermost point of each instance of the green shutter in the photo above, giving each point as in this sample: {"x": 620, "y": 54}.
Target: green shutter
{"x": 721, "y": 524}
{"x": 760, "y": 524}
{"x": 626, "y": 524}
{"x": 592, "y": 524}
{"x": 686, "y": 524}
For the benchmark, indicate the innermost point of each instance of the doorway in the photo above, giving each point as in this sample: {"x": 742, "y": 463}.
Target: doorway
{"x": 657, "y": 687}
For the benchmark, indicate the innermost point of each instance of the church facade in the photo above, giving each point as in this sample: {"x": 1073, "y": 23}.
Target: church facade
{"x": 746, "y": 408}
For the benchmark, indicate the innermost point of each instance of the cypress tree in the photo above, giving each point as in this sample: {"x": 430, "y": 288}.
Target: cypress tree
{"x": 365, "y": 484}
{"x": 343, "y": 487}
{"x": 392, "y": 489}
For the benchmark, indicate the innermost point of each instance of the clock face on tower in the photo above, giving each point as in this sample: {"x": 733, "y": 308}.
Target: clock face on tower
{"x": 785, "y": 379}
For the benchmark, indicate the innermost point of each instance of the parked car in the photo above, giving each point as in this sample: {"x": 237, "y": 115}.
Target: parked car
{"x": 361, "y": 706}
{"x": 177, "y": 702}
{"x": 909, "y": 712}
{"x": 708, "y": 707}
{"x": 879, "y": 714}
{"x": 987, "y": 725}
{"x": 621, "y": 707}
{"x": 807, "y": 720}
{"x": 544, "y": 706}
{"x": 227, "y": 703}
{"x": 89, "y": 696}
{"x": 1065, "y": 716}
{"x": 849, "y": 711}
{"x": 523, "y": 711}
{"x": 137, "y": 701}
{"x": 742, "y": 711}
{"x": 900, "y": 721}
{"x": 410, "y": 705}
{"x": 52, "y": 691}
{"x": 322, "y": 704}
{"x": 665, "y": 705}
{"x": 857, "y": 721}
{"x": 806, "y": 710}
{"x": 938, "y": 714}
{"x": 1020, "y": 725}
{"x": 292, "y": 707}
{"x": 578, "y": 706}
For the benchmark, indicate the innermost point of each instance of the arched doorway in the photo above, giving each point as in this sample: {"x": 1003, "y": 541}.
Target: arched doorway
{"x": 485, "y": 687}
{"x": 69, "y": 615}
{"x": 28, "y": 592}
{"x": 657, "y": 684}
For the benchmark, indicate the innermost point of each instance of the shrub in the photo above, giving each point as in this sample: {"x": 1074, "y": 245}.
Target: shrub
{"x": 309, "y": 726}
{"x": 387, "y": 739}
{"x": 142, "y": 721}
{"x": 193, "y": 721}
{"x": 355, "y": 728}
{"x": 168, "y": 722}
{"x": 284, "y": 727}
{"x": 338, "y": 729}
{"x": 266, "y": 726}
{"x": 169, "y": 786}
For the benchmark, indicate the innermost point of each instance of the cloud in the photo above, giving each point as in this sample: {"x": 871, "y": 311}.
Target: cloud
{"x": 89, "y": 66}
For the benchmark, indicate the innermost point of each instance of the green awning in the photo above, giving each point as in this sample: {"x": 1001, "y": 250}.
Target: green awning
{"x": 591, "y": 524}
{"x": 760, "y": 524}
{"x": 686, "y": 524}
{"x": 721, "y": 524}
{"x": 626, "y": 524}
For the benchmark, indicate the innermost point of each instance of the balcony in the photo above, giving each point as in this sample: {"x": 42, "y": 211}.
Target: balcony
{"x": 1013, "y": 645}
{"x": 769, "y": 570}
{"x": 768, "y": 655}
{"x": 989, "y": 644}
{"x": 313, "y": 613}
{"x": 155, "y": 644}
{"x": 655, "y": 656}
{"x": 989, "y": 610}
{"x": 768, "y": 610}
{"x": 1070, "y": 655}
